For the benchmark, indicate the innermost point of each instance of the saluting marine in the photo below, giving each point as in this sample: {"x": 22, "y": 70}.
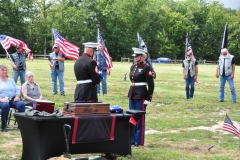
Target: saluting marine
{"x": 140, "y": 92}
{"x": 87, "y": 76}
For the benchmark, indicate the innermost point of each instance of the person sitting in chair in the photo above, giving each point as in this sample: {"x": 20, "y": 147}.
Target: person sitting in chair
{"x": 30, "y": 90}
{"x": 9, "y": 96}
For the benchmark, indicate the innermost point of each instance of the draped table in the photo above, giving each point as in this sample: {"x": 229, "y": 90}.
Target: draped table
{"x": 43, "y": 137}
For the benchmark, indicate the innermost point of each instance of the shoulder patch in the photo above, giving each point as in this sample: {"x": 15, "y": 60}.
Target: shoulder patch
{"x": 96, "y": 70}
{"x": 150, "y": 73}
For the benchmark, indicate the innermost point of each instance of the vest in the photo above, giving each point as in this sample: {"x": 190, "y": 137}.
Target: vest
{"x": 190, "y": 66}
{"x": 61, "y": 64}
{"x": 33, "y": 93}
{"x": 101, "y": 61}
{"x": 228, "y": 65}
{"x": 16, "y": 58}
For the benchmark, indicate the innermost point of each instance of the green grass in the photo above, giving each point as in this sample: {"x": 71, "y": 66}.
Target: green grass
{"x": 169, "y": 113}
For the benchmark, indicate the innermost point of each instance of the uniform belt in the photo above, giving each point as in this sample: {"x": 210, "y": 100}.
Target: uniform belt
{"x": 84, "y": 81}
{"x": 139, "y": 84}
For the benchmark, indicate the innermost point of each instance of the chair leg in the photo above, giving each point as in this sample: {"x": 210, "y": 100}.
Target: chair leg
{"x": 9, "y": 116}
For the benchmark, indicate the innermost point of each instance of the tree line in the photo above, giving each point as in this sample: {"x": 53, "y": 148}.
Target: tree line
{"x": 162, "y": 25}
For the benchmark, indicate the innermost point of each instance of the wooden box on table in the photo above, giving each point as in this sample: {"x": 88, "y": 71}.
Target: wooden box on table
{"x": 85, "y": 108}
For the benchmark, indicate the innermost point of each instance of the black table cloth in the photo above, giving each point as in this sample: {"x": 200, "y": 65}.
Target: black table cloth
{"x": 43, "y": 137}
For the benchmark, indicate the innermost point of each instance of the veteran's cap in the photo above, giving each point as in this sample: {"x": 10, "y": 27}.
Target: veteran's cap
{"x": 138, "y": 51}
{"x": 189, "y": 53}
{"x": 55, "y": 46}
{"x": 18, "y": 46}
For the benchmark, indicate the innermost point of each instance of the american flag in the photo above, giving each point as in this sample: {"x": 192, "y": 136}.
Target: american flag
{"x": 8, "y": 41}
{"x": 189, "y": 46}
{"x": 189, "y": 49}
{"x": 107, "y": 56}
{"x": 229, "y": 127}
{"x": 68, "y": 49}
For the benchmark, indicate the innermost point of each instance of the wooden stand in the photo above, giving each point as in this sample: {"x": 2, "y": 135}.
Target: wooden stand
{"x": 76, "y": 108}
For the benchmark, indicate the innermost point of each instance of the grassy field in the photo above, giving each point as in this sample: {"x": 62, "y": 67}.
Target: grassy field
{"x": 176, "y": 128}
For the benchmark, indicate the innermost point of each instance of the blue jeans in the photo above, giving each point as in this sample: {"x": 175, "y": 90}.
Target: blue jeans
{"x": 104, "y": 83}
{"x": 57, "y": 74}
{"x": 16, "y": 74}
{"x": 223, "y": 80}
{"x": 189, "y": 81}
{"x": 139, "y": 130}
{"x": 5, "y": 106}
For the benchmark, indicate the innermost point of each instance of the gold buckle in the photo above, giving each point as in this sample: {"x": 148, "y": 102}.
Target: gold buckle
{"x": 133, "y": 84}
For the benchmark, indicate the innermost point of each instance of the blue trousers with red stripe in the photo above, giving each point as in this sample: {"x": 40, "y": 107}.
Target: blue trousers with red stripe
{"x": 139, "y": 129}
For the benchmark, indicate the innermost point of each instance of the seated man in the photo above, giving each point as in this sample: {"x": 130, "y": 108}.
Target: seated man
{"x": 30, "y": 90}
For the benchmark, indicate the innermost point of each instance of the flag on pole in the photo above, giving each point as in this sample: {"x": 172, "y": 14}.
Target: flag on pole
{"x": 67, "y": 49}
{"x": 8, "y": 41}
{"x": 189, "y": 46}
{"x": 148, "y": 60}
{"x": 189, "y": 49}
{"x": 106, "y": 54}
{"x": 224, "y": 43}
{"x": 229, "y": 127}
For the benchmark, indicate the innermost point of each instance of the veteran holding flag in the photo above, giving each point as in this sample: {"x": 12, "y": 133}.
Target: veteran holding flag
{"x": 140, "y": 92}
{"x": 86, "y": 73}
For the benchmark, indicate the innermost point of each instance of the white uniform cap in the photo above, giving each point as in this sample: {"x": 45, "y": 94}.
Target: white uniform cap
{"x": 137, "y": 51}
{"x": 90, "y": 45}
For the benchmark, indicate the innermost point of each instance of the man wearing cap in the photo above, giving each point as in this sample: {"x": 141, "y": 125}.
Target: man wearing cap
{"x": 100, "y": 58}
{"x": 226, "y": 70}
{"x": 190, "y": 73}
{"x": 140, "y": 92}
{"x": 86, "y": 73}
{"x": 56, "y": 63}
{"x": 19, "y": 63}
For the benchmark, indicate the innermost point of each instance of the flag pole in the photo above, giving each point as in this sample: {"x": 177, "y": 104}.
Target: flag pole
{"x": 52, "y": 37}
{"x": 186, "y": 45}
{"x": 8, "y": 55}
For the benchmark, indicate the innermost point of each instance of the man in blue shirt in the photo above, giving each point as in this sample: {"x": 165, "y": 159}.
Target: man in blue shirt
{"x": 100, "y": 58}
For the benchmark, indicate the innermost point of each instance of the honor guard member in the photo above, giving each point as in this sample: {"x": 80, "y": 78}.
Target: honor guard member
{"x": 140, "y": 92}
{"x": 86, "y": 73}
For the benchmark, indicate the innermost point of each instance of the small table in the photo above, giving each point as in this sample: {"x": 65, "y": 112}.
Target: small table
{"x": 43, "y": 137}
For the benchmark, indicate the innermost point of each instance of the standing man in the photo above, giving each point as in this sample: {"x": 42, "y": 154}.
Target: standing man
{"x": 140, "y": 92}
{"x": 100, "y": 58}
{"x": 190, "y": 73}
{"x": 56, "y": 62}
{"x": 226, "y": 70}
{"x": 19, "y": 63}
{"x": 86, "y": 73}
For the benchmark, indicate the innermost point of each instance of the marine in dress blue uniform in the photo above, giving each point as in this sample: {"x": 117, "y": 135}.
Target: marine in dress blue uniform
{"x": 140, "y": 92}
{"x": 86, "y": 73}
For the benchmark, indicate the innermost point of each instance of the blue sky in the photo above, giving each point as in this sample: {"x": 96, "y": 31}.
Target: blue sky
{"x": 233, "y": 4}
